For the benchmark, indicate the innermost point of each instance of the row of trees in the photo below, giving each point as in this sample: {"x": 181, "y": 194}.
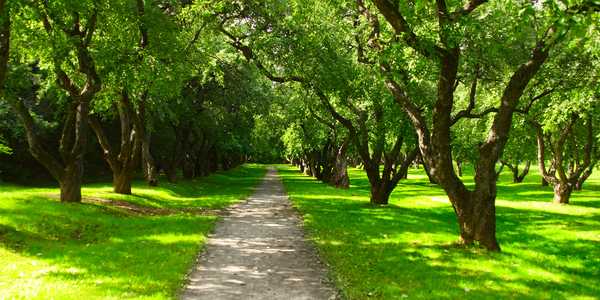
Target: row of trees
{"x": 201, "y": 85}
{"x": 137, "y": 80}
{"x": 445, "y": 82}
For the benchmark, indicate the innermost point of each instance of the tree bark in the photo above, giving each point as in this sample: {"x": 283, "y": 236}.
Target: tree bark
{"x": 380, "y": 194}
{"x": 428, "y": 173}
{"x": 586, "y": 174}
{"x": 563, "y": 183}
{"x": 476, "y": 212}
{"x": 521, "y": 177}
{"x": 148, "y": 164}
{"x": 123, "y": 163}
{"x": 476, "y": 217}
{"x": 562, "y": 193}
{"x": 518, "y": 177}
{"x": 459, "y": 168}
{"x": 340, "y": 178}
{"x": 4, "y": 42}
{"x": 70, "y": 182}
{"x": 122, "y": 183}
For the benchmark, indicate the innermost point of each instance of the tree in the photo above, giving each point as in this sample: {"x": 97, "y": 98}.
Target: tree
{"x": 475, "y": 209}
{"x": 123, "y": 162}
{"x": 519, "y": 149}
{"x": 69, "y": 37}
{"x": 129, "y": 78}
{"x": 358, "y": 106}
{"x": 567, "y": 132}
{"x": 4, "y": 56}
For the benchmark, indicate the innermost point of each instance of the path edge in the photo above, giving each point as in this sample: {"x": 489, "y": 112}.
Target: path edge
{"x": 221, "y": 213}
{"x": 330, "y": 274}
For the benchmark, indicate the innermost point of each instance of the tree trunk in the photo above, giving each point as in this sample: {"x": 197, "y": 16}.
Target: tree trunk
{"x": 586, "y": 174}
{"x": 515, "y": 173}
{"x": 518, "y": 178}
{"x": 171, "y": 172}
{"x": 499, "y": 171}
{"x": 122, "y": 182}
{"x": 544, "y": 182}
{"x": 429, "y": 176}
{"x": 562, "y": 193}
{"x": 380, "y": 194}
{"x": 70, "y": 182}
{"x": 459, "y": 168}
{"x": 340, "y": 178}
{"x": 149, "y": 165}
{"x": 189, "y": 167}
{"x": 476, "y": 215}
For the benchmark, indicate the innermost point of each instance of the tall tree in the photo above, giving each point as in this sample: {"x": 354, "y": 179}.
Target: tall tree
{"x": 475, "y": 209}
{"x": 69, "y": 35}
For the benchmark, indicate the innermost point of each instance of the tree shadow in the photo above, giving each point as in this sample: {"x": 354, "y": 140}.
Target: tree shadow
{"x": 104, "y": 251}
{"x": 409, "y": 247}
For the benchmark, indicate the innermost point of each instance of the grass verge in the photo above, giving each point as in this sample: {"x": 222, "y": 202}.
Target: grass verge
{"x": 50, "y": 250}
{"x": 408, "y": 249}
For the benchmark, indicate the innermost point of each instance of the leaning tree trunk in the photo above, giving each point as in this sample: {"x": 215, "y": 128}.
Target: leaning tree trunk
{"x": 520, "y": 177}
{"x": 428, "y": 173}
{"x": 459, "y": 168}
{"x": 586, "y": 174}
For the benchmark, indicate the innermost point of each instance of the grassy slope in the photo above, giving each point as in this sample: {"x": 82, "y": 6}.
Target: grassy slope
{"x": 50, "y": 250}
{"x": 408, "y": 250}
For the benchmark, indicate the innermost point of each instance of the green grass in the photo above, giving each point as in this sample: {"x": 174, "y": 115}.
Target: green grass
{"x": 50, "y": 250}
{"x": 408, "y": 249}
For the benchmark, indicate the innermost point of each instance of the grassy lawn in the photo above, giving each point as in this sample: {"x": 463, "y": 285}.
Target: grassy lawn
{"x": 50, "y": 250}
{"x": 408, "y": 249}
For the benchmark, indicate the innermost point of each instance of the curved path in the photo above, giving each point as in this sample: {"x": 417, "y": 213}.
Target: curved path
{"x": 258, "y": 251}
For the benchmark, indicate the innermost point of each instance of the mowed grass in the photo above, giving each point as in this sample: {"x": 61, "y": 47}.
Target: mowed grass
{"x": 50, "y": 250}
{"x": 408, "y": 250}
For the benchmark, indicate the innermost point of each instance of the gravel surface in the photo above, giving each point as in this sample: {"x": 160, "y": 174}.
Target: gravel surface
{"x": 258, "y": 251}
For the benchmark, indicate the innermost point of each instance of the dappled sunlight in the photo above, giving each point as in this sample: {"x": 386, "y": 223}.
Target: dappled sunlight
{"x": 410, "y": 246}
{"x": 91, "y": 251}
{"x": 258, "y": 252}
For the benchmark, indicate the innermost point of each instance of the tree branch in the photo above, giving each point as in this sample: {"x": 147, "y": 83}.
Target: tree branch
{"x": 390, "y": 10}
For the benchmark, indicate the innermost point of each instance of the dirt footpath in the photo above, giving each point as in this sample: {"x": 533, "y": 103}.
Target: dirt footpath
{"x": 258, "y": 251}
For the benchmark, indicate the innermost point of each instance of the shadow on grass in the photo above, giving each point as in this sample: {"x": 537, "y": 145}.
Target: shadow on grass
{"x": 409, "y": 247}
{"x": 98, "y": 252}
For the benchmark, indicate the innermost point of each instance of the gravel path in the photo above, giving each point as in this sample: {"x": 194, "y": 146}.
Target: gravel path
{"x": 258, "y": 251}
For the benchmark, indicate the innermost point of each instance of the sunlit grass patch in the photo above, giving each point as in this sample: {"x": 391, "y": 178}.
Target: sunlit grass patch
{"x": 50, "y": 250}
{"x": 408, "y": 249}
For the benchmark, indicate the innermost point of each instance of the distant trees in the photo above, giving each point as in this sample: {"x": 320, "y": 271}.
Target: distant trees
{"x": 76, "y": 65}
{"x": 520, "y": 150}
{"x": 334, "y": 84}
